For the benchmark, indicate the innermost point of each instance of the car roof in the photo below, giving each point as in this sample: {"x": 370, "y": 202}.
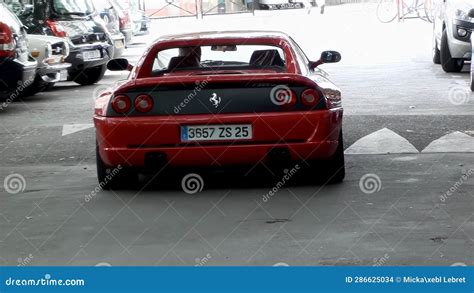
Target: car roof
{"x": 225, "y": 35}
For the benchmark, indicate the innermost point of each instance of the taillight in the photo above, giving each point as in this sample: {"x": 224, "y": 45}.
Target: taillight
{"x": 121, "y": 104}
{"x": 56, "y": 28}
{"x": 143, "y": 103}
{"x": 7, "y": 42}
{"x": 310, "y": 97}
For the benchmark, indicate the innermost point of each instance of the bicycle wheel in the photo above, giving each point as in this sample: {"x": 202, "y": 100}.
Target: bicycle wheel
{"x": 429, "y": 11}
{"x": 387, "y": 10}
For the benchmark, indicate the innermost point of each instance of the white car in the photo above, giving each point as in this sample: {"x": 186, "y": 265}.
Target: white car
{"x": 50, "y": 53}
{"x": 453, "y": 24}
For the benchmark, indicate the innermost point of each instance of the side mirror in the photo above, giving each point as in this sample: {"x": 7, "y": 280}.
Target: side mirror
{"x": 326, "y": 57}
{"x": 119, "y": 64}
{"x": 471, "y": 13}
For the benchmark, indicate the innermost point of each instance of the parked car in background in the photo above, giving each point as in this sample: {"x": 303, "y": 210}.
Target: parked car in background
{"x": 109, "y": 14}
{"x": 50, "y": 54}
{"x": 125, "y": 22}
{"x": 91, "y": 46}
{"x": 17, "y": 67}
{"x": 452, "y": 28}
{"x": 279, "y": 4}
{"x": 136, "y": 11}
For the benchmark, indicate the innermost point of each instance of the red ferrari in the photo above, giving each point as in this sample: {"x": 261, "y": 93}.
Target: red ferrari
{"x": 220, "y": 99}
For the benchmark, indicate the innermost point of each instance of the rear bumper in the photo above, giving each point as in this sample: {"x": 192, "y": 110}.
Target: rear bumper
{"x": 155, "y": 141}
{"x": 15, "y": 76}
{"x": 52, "y": 73}
{"x": 78, "y": 62}
{"x": 128, "y": 34}
{"x": 119, "y": 45}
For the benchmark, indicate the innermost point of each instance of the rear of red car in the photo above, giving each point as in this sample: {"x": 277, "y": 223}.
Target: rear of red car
{"x": 217, "y": 118}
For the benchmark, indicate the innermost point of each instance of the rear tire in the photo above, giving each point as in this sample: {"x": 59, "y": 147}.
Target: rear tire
{"x": 89, "y": 76}
{"x": 387, "y": 10}
{"x": 472, "y": 76}
{"x": 37, "y": 86}
{"x": 335, "y": 167}
{"x": 114, "y": 178}
{"x": 50, "y": 86}
{"x": 330, "y": 171}
{"x": 449, "y": 63}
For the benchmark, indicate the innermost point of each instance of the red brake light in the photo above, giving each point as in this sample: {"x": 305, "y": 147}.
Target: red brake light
{"x": 7, "y": 42}
{"x": 121, "y": 104}
{"x": 56, "y": 28}
{"x": 143, "y": 103}
{"x": 310, "y": 97}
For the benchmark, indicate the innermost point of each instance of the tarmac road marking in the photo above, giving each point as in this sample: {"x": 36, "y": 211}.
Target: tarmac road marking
{"x": 383, "y": 141}
{"x": 73, "y": 128}
{"x": 456, "y": 142}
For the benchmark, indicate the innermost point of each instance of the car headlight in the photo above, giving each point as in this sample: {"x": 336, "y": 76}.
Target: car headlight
{"x": 463, "y": 14}
{"x": 66, "y": 49}
{"x": 48, "y": 52}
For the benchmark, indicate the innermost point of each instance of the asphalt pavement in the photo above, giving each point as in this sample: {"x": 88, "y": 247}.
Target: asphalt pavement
{"x": 407, "y": 199}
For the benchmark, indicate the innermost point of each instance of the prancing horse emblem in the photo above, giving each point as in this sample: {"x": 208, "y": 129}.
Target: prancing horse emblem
{"x": 215, "y": 100}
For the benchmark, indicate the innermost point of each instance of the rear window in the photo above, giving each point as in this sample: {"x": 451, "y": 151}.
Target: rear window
{"x": 220, "y": 57}
{"x": 73, "y": 7}
{"x": 102, "y": 4}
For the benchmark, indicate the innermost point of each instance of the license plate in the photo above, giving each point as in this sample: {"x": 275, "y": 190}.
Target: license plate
{"x": 118, "y": 44}
{"x": 63, "y": 75}
{"x": 216, "y": 132}
{"x": 90, "y": 55}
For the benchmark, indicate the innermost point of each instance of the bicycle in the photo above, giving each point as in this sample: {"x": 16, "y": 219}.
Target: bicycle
{"x": 389, "y": 10}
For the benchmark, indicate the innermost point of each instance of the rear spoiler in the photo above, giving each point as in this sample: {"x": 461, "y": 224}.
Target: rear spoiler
{"x": 241, "y": 79}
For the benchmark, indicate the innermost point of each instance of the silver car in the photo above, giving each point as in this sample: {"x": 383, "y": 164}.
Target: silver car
{"x": 453, "y": 25}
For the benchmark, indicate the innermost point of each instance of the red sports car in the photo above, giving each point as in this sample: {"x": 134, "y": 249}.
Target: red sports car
{"x": 220, "y": 99}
